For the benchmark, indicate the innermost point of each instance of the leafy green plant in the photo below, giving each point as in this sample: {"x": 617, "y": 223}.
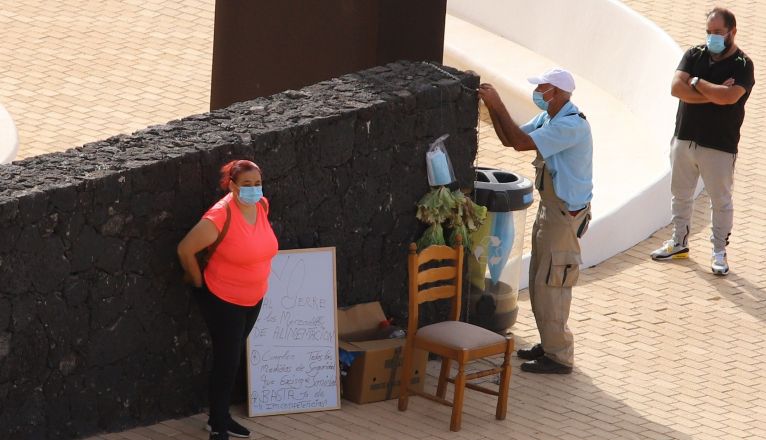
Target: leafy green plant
{"x": 441, "y": 207}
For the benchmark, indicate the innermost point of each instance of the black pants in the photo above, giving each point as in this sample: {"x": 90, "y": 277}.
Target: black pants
{"x": 229, "y": 326}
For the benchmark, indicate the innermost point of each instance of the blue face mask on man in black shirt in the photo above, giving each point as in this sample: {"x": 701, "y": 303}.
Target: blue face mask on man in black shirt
{"x": 716, "y": 43}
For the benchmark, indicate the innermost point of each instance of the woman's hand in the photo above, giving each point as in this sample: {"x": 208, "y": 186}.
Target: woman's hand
{"x": 202, "y": 235}
{"x": 188, "y": 279}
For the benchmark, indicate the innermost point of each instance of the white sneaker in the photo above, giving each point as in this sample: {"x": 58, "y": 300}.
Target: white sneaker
{"x": 718, "y": 263}
{"x": 670, "y": 251}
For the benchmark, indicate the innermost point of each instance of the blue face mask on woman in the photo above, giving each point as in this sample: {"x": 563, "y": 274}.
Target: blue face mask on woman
{"x": 716, "y": 43}
{"x": 540, "y": 102}
{"x": 250, "y": 195}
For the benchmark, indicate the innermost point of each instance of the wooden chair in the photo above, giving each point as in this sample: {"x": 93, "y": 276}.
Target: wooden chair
{"x": 453, "y": 340}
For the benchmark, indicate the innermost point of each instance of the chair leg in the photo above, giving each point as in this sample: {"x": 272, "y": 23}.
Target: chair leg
{"x": 457, "y": 401}
{"x": 406, "y": 376}
{"x": 441, "y": 389}
{"x": 505, "y": 381}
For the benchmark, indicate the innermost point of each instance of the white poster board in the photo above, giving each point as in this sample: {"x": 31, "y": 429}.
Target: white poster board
{"x": 293, "y": 349}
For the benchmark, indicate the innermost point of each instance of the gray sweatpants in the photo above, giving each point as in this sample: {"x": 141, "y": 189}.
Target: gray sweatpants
{"x": 688, "y": 162}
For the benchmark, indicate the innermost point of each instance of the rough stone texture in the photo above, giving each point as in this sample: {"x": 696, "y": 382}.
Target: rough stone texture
{"x": 96, "y": 330}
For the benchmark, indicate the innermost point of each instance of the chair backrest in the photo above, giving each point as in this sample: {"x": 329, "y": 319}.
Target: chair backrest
{"x": 442, "y": 278}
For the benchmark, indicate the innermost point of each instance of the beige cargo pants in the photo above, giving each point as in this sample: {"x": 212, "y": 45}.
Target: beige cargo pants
{"x": 554, "y": 267}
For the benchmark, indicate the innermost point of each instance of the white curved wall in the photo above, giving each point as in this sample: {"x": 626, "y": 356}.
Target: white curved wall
{"x": 622, "y": 63}
{"x": 602, "y": 40}
{"x": 9, "y": 140}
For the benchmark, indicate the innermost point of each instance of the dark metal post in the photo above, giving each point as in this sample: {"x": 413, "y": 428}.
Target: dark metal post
{"x": 262, "y": 47}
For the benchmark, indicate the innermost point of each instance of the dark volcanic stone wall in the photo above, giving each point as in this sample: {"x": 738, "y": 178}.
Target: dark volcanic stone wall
{"x": 96, "y": 330}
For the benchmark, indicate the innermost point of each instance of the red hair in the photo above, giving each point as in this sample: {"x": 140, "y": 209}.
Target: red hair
{"x": 231, "y": 170}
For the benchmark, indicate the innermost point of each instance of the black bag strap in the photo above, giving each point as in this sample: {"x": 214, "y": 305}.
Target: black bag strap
{"x": 580, "y": 114}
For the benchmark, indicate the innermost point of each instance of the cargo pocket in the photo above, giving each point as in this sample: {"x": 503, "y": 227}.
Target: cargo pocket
{"x": 583, "y": 228}
{"x": 564, "y": 269}
{"x": 539, "y": 165}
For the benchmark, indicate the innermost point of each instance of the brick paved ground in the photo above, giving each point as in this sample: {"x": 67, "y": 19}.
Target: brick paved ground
{"x": 663, "y": 350}
{"x": 76, "y": 72}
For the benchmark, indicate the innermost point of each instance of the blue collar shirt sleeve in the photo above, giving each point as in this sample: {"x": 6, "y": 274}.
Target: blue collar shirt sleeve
{"x": 533, "y": 123}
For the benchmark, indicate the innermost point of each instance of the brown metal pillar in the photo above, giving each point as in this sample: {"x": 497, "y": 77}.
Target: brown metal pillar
{"x": 262, "y": 47}
{"x": 410, "y": 30}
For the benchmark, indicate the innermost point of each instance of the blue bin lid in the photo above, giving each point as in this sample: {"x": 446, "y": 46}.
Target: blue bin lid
{"x": 502, "y": 191}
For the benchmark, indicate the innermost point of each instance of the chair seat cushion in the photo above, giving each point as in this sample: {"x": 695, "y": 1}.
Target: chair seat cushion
{"x": 458, "y": 335}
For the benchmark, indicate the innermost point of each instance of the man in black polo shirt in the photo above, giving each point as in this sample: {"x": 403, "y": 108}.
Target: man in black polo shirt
{"x": 712, "y": 84}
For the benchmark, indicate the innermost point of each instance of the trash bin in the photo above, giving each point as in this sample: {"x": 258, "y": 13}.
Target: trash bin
{"x": 497, "y": 248}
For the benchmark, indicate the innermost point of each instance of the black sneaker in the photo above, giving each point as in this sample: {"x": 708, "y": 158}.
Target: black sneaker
{"x": 234, "y": 430}
{"x": 545, "y": 365}
{"x": 218, "y": 436}
{"x": 533, "y": 353}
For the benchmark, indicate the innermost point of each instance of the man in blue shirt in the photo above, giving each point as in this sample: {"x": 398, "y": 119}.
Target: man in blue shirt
{"x": 562, "y": 138}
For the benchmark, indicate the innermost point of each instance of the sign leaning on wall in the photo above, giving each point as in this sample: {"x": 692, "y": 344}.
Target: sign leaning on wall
{"x": 293, "y": 348}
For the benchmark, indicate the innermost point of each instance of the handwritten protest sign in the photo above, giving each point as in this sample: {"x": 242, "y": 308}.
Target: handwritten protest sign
{"x": 293, "y": 348}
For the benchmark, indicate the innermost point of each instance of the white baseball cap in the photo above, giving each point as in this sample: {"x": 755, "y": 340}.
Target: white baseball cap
{"x": 558, "y": 77}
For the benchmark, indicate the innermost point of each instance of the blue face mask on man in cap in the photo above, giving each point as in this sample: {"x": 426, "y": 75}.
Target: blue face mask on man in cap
{"x": 539, "y": 100}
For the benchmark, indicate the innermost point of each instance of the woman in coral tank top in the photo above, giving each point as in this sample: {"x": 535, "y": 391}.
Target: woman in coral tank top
{"x": 234, "y": 281}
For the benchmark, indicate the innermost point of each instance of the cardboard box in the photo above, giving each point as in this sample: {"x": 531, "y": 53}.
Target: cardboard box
{"x": 375, "y": 373}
